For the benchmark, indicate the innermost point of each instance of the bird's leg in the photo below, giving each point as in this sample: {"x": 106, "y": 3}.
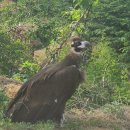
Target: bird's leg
{"x": 62, "y": 120}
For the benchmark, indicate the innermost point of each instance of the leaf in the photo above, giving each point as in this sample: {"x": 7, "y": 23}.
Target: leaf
{"x": 95, "y": 2}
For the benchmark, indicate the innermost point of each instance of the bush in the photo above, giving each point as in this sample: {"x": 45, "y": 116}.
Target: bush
{"x": 26, "y": 70}
{"x": 104, "y": 75}
{"x": 13, "y": 53}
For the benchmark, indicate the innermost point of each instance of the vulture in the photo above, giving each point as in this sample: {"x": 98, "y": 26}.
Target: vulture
{"x": 43, "y": 97}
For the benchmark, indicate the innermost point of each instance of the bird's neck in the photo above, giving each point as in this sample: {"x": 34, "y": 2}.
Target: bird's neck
{"x": 73, "y": 58}
{"x": 76, "y": 51}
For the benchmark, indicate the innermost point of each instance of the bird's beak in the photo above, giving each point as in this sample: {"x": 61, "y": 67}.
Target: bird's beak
{"x": 84, "y": 44}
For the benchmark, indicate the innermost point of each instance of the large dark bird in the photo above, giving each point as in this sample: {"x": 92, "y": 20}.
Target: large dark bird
{"x": 43, "y": 97}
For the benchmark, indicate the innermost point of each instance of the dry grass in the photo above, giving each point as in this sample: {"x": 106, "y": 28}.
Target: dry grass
{"x": 11, "y": 90}
{"x": 5, "y": 3}
{"x": 97, "y": 120}
{"x": 9, "y": 86}
{"x": 40, "y": 55}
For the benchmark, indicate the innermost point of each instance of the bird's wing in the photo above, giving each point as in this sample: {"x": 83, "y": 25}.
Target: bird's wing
{"x": 64, "y": 80}
{"x": 41, "y": 76}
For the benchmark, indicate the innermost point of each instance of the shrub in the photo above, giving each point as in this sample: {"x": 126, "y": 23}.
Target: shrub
{"x": 104, "y": 74}
{"x": 106, "y": 80}
{"x": 26, "y": 70}
{"x": 13, "y": 53}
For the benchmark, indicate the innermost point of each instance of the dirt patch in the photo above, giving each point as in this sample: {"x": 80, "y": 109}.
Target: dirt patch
{"x": 40, "y": 55}
{"x": 99, "y": 120}
{"x": 9, "y": 86}
{"x": 96, "y": 128}
{"x": 11, "y": 90}
{"x": 4, "y": 81}
{"x": 127, "y": 112}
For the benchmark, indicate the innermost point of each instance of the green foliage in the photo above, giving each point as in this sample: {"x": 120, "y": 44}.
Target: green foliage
{"x": 104, "y": 64}
{"x": 3, "y": 101}
{"x": 13, "y": 53}
{"x": 26, "y": 70}
{"x": 122, "y": 93}
{"x": 111, "y": 20}
{"x": 104, "y": 75}
{"x": 107, "y": 71}
{"x": 40, "y": 21}
{"x": 45, "y": 16}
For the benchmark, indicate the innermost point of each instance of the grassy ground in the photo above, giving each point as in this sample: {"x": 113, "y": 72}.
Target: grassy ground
{"x": 77, "y": 120}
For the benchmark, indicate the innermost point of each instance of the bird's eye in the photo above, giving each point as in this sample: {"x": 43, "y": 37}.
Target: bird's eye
{"x": 77, "y": 43}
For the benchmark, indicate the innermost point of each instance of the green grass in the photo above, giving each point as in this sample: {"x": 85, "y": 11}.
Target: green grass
{"x": 69, "y": 124}
{"x": 7, "y": 125}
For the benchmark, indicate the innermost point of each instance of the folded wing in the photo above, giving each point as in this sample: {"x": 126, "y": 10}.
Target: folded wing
{"x": 43, "y": 97}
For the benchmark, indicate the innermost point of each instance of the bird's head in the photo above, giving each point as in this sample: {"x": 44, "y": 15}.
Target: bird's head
{"x": 78, "y": 45}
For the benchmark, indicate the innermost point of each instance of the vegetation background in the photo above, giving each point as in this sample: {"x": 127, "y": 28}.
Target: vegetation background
{"x": 33, "y": 31}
